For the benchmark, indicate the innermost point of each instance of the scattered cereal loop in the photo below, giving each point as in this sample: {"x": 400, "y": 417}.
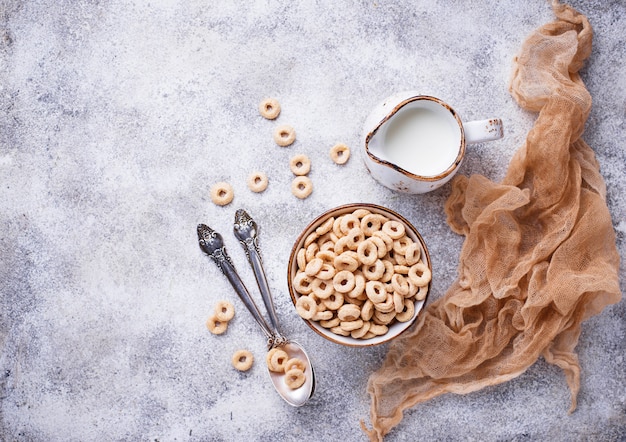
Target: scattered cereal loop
{"x": 269, "y": 108}
{"x": 257, "y": 182}
{"x": 300, "y": 165}
{"x": 224, "y": 311}
{"x": 302, "y": 187}
{"x": 216, "y": 326}
{"x": 242, "y": 360}
{"x": 340, "y": 153}
{"x": 222, "y": 193}
{"x": 284, "y": 135}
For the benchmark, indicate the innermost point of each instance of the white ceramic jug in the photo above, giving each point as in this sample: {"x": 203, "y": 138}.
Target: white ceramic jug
{"x": 415, "y": 143}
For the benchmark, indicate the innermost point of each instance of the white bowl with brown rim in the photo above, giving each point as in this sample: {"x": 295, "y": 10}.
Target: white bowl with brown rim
{"x": 394, "y": 328}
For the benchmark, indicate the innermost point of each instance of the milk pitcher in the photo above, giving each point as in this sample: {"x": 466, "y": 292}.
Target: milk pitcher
{"x": 415, "y": 143}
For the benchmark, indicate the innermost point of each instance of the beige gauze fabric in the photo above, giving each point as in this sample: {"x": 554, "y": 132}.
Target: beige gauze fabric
{"x": 539, "y": 255}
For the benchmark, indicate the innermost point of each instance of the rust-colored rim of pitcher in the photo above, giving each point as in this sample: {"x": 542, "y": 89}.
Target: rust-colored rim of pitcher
{"x": 397, "y": 168}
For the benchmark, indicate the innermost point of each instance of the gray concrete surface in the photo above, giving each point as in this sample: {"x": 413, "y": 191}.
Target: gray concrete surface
{"x": 117, "y": 117}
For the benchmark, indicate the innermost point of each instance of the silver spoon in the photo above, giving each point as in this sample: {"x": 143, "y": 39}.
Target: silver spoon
{"x": 211, "y": 242}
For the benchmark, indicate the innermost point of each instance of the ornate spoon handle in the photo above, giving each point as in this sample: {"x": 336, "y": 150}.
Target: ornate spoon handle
{"x": 246, "y": 231}
{"x": 212, "y": 244}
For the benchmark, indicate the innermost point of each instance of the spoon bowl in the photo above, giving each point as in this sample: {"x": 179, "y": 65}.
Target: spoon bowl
{"x": 299, "y": 396}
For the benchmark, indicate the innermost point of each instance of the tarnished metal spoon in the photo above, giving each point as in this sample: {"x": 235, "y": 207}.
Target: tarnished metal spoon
{"x": 212, "y": 243}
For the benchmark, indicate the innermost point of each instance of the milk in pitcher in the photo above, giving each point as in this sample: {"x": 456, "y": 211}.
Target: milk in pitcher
{"x": 422, "y": 139}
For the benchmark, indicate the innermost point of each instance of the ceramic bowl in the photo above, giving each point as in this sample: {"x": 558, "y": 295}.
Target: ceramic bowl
{"x": 394, "y": 329}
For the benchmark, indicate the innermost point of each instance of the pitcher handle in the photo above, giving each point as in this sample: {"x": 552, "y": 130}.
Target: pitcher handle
{"x": 483, "y": 130}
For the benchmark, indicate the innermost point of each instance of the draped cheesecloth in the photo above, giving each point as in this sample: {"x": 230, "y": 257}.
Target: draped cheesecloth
{"x": 539, "y": 255}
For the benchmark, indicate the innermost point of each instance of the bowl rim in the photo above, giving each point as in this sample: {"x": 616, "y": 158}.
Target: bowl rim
{"x": 348, "y": 340}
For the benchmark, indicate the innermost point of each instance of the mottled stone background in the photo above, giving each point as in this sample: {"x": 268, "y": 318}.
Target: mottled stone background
{"x": 117, "y": 117}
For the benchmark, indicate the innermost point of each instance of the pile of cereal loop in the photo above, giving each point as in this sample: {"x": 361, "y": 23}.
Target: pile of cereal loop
{"x": 278, "y": 361}
{"x": 359, "y": 273}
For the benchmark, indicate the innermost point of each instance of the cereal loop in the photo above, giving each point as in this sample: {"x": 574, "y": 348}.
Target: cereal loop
{"x": 402, "y": 270}
{"x": 327, "y": 256}
{"x": 358, "y": 301}
{"x": 326, "y": 272}
{"x": 313, "y": 266}
{"x": 269, "y": 108}
{"x": 394, "y": 229}
{"x": 306, "y": 307}
{"x": 421, "y": 293}
{"x": 242, "y": 360}
{"x": 222, "y": 193}
{"x": 362, "y": 331}
{"x": 326, "y": 315}
{"x": 400, "y": 284}
{"x": 378, "y": 329}
{"x": 383, "y": 317}
{"x": 372, "y": 223}
{"x": 375, "y": 271}
{"x": 386, "y": 306}
{"x": 376, "y": 291}
{"x": 360, "y": 213}
{"x": 389, "y": 271}
{"x": 412, "y": 254}
{"x": 381, "y": 247}
{"x": 368, "y": 252}
{"x": 322, "y": 288}
{"x": 349, "y": 222}
{"x": 310, "y": 239}
{"x": 327, "y": 246}
{"x": 295, "y": 363}
{"x": 351, "y": 325}
{"x": 224, "y": 311}
{"x": 300, "y": 165}
{"x": 337, "y": 227}
{"x": 349, "y": 312}
{"x": 367, "y": 311}
{"x": 398, "y": 302}
{"x": 301, "y": 259}
{"x": 216, "y": 326}
{"x": 326, "y": 227}
{"x": 334, "y": 301}
{"x": 419, "y": 274}
{"x": 257, "y": 182}
{"x": 276, "y": 359}
{"x": 343, "y": 281}
{"x": 408, "y": 311}
{"x": 284, "y": 135}
{"x": 342, "y": 245}
{"x": 400, "y": 245}
{"x": 294, "y": 378}
{"x": 386, "y": 238}
{"x": 311, "y": 251}
{"x": 339, "y": 331}
{"x": 359, "y": 286}
{"x": 302, "y": 283}
{"x": 340, "y": 153}
{"x": 399, "y": 257}
{"x": 355, "y": 236}
{"x": 302, "y": 187}
{"x": 345, "y": 261}
{"x": 334, "y": 322}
